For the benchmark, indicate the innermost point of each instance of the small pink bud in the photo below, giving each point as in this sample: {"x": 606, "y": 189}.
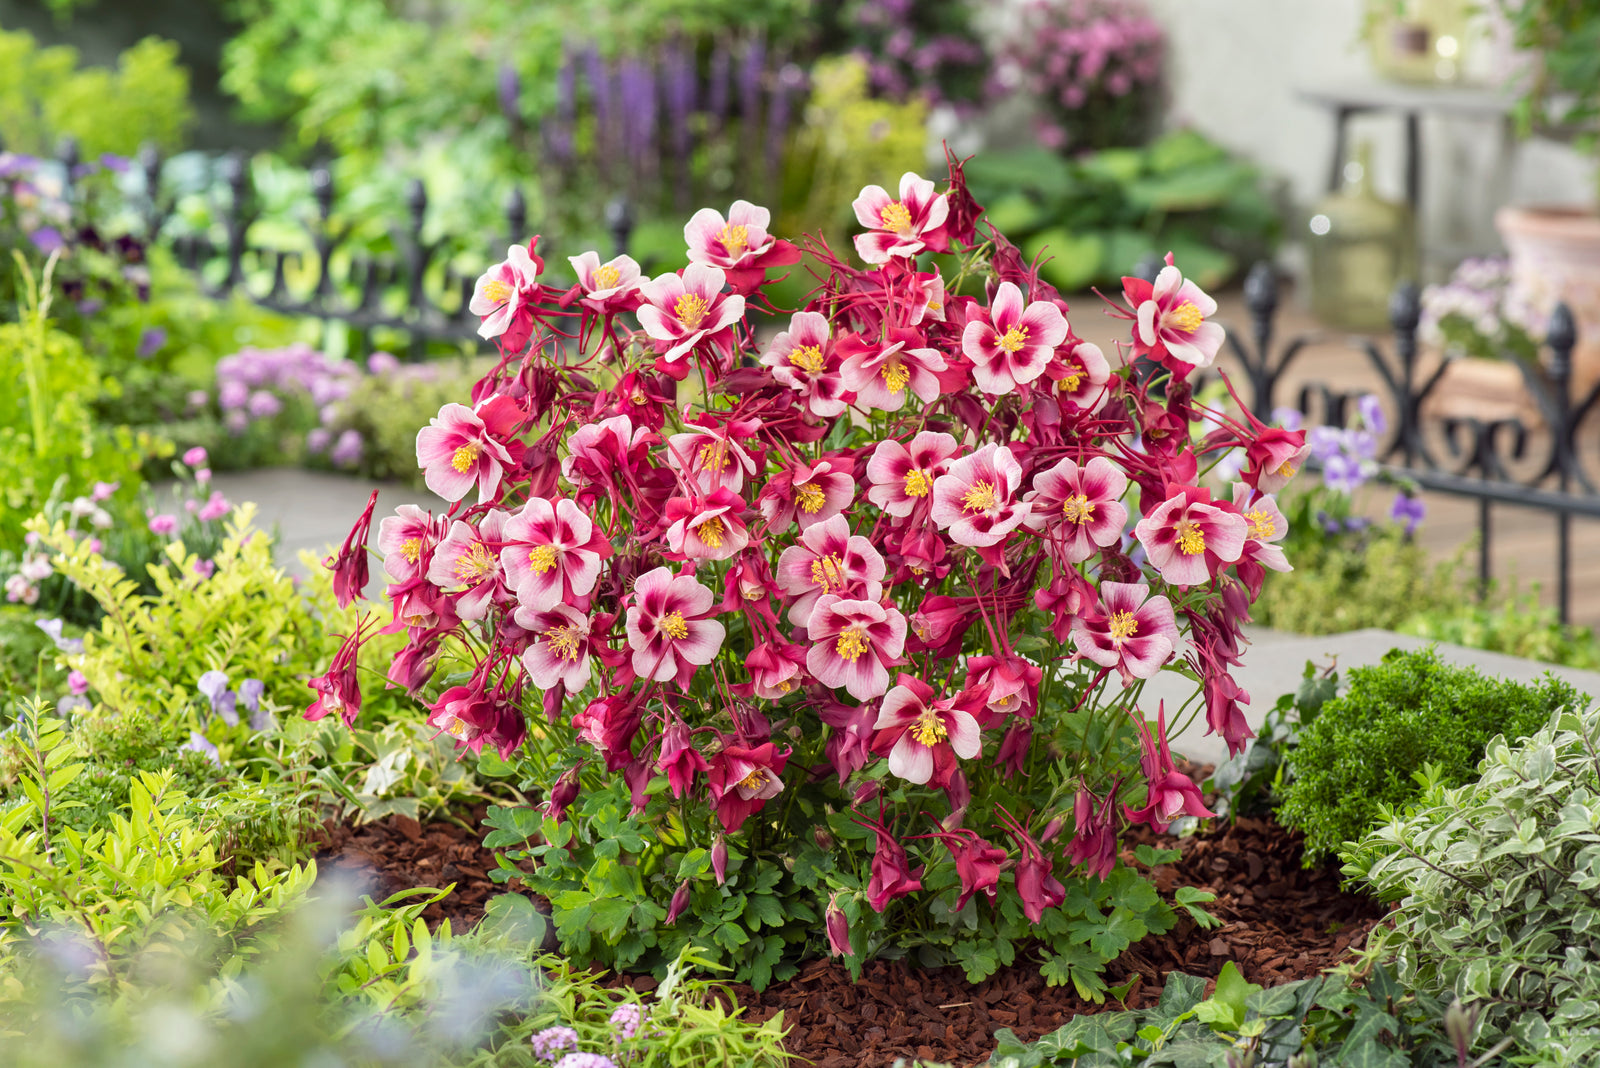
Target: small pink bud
{"x": 820, "y": 835}
{"x": 1052, "y": 829}
{"x": 866, "y": 792}
{"x": 680, "y": 901}
{"x": 719, "y": 860}
{"x": 838, "y": 926}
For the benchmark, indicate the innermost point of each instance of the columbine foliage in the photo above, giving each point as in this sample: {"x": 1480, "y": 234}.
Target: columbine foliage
{"x": 1366, "y": 747}
{"x": 824, "y": 627}
{"x": 1496, "y": 883}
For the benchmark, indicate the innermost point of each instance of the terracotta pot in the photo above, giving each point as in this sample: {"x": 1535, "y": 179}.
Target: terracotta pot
{"x": 1555, "y": 255}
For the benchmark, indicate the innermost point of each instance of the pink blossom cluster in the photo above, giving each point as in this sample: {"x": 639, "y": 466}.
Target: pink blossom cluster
{"x": 740, "y": 561}
{"x": 1067, "y": 53}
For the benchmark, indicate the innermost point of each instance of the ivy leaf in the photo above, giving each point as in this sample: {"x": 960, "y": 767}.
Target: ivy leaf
{"x": 1226, "y": 1007}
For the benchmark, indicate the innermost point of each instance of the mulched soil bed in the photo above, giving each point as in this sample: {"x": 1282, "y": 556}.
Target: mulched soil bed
{"x": 1280, "y": 923}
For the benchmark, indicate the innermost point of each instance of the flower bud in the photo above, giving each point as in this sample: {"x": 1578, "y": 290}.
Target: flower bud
{"x": 821, "y": 836}
{"x": 1459, "y": 1023}
{"x": 680, "y": 901}
{"x": 865, "y": 793}
{"x": 838, "y": 932}
{"x": 719, "y": 860}
{"x": 1051, "y": 829}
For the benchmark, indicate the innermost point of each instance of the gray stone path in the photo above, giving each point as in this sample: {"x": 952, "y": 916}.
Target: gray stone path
{"x": 314, "y": 510}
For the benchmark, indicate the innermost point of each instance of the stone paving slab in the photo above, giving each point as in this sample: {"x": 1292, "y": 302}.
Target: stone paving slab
{"x": 314, "y": 510}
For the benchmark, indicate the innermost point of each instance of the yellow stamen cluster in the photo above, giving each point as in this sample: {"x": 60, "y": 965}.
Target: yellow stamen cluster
{"x": 980, "y": 498}
{"x": 757, "y": 778}
{"x": 1262, "y": 525}
{"x": 735, "y": 239}
{"x": 465, "y": 457}
{"x": 542, "y": 558}
{"x": 712, "y": 532}
{"x": 852, "y": 643}
{"x": 895, "y": 374}
{"x": 895, "y": 218}
{"x": 1071, "y": 382}
{"x": 1077, "y": 509}
{"x": 929, "y": 729}
{"x": 673, "y": 625}
{"x": 825, "y": 572}
{"x": 411, "y": 549}
{"x": 1012, "y": 340}
{"x": 918, "y": 483}
{"x": 495, "y": 291}
{"x": 810, "y": 498}
{"x": 1286, "y": 469}
{"x": 457, "y": 727}
{"x": 1185, "y": 317}
{"x": 476, "y": 564}
{"x": 1191, "y": 539}
{"x": 605, "y": 277}
{"x": 563, "y": 641}
{"x": 808, "y": 358}
{"x": 691, "y": 310}
{"x": 1123, "y": 626}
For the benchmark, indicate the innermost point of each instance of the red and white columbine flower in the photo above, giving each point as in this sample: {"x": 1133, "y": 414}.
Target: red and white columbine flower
{"x": 469, "y": 558}
{"x": 1188, "y": 539}
{"x": 405, "y": 539}
{"x": 1266, "y": 526}
{"x": 901, "y": 227}
{"x": 882, "y": 373}
{"x": 1080, "y": 377}
{"x": 809, "y": 493}
{"x": 597, "y": 451}
{"x": 921, "y": 736}
{"x": 560, "y": 649}
{"x": 682, "y": 310}
{"x": 1015, "y": 345}
{"x": 902, "y": 476}
{"x": 829, "y": 560}
{"x": 803, "y": 358}
{"x": 456, "y": 450}
{"x": 928, "y": 298}
{"x": 1172, "y": 319}
{"x": 1077, "y": 507}
{"x": 709, "y": 527}
{"x": 1135, "y": 633}
{"x": 552, "y": 554}
{"x": 503, "y": 293}
{"x": 667, "y": 626}
{"x": 739, "y": 245}
{"x": 853, "y": 644}
{"x": 607, "y": 287}
{"x": 976, "y": 497}
{"x": 711, "y": 456}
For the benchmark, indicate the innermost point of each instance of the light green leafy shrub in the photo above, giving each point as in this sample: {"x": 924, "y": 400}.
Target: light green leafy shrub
{"x": 45, "y": 95}
{"x": 1497, "y": 885}
{"x": 1365, "y": 747}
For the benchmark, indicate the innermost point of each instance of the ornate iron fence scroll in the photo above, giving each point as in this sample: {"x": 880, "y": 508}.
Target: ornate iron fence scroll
{"x": 1550, "y": 463}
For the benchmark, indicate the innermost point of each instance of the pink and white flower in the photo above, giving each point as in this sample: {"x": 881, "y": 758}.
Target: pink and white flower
{"x": 737, "y": 242}
{"x": 1077, "y": 507}
{"x": 668, "y": 629}
{"x": 881, "y": 373}
{"x": 406, "y": 539}
{"x": 829, "y": 560}
{"x": 853, "y": 644}
{"x": 597, "y": 451}
{"x": 901, "y": 227}
{"x": 712, "y": 457}
{"x": 804, "y": 359}
{"x": 1135, "y": 633}
{"x": 456, "y": 450}
{"x": 1188, "y": 539}
{"x": 902, "y": 476}
{"x": 709, "y": 527}
{"x": 607, "y": 287}
{"x": 1172, "y": 319}
{"x": 682, "y": 310}
{"x": 1079, "y": 378}
{"x": 975, "y": 499}
{"x": 469, "y": 558}
{"x": 928, "y": 298}
{"x": 921, "y": 736}
{"x": 1170, "y": 792}
{"x": 1267, "y": 526}
{"x": 1015, "y": 345}
{"x": 502, "y": 294}
{"x": 551, "y": 553}
{"x": 560, "y": 649}
{"x": 809, "y": 493}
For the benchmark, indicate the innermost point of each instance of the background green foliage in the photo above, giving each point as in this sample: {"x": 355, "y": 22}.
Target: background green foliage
{"x": 1413, "y": 710}
{"x": 45, "y": 95}
{"x": 1495, "y": 882}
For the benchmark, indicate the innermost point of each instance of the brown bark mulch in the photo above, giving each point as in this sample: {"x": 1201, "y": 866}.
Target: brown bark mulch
{"x": 1280, "y": 922}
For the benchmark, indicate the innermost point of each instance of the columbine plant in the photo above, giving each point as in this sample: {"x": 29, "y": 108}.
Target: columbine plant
{"x": 856, "y": 613}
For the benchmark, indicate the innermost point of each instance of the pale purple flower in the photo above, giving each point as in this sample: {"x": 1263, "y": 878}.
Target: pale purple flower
{"x": 237, "y": 422}
{"x": 36, "y": 567}
{"x": 150, "y": 342}
{"x": 47, "y": 239}
{"x": 318, "y": 439}
{"x": 1372, "y": 417}
{"x": 19, "y": 588}
{"x": 265, "y": 405}
{"x": 1342, "y": 473}
{"x": 586, "y": 1060}
{"x": 163, "y": 525}
{"x": 52, "y": 627}
{"x": 232, "y": 395}
{"x": 1289, "y": 418}
{"x": 103, "y": 490}
{"x": 77, "y": 682}
{"x": 199, "y": 743}
{"x": 347, "y": 451}
{"x": 625, "y": 1022}
{"x": 203, "y": 475}
{"x": 1326, "y": 442}
{"x": 198, "y": 399}
{"x": 552, "y": 1040}
{"x": 1361, "y": 444}
{"x": 382, "y": 363}
{"x": 205, "y": 568}
{"x": 1408, "y": 510}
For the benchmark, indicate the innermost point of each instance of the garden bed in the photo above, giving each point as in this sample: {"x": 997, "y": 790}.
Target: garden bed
{"x": 1280, "y": 922}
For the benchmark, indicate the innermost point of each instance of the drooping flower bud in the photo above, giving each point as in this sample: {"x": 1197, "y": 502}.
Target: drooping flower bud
{"x": 680, "y": 901}
{"x": 838, "y": 926}
{"x": 719, "y": 859}
{"x": 823, "y": 838}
